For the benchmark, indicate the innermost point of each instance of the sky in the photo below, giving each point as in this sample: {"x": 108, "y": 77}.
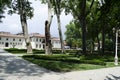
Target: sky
{"x": 11, "y": 23}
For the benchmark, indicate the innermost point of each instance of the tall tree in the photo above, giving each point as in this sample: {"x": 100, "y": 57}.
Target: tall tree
{"x": 57, "y": 7}
{"x": 23, "y": 8}
{"x": 82, "y": 19}
{"x": 79, "y": 11}
{"x": 93, "y": 29}
{"x": 48, "y": 46}
{"x": 104, "y": 10}
{"x": 73, "y": 34}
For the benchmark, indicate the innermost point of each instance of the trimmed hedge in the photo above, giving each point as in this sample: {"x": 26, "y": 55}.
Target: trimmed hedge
{"x": 65, "y": 58}
{"x": 36, "y": 51}
{"x": 15, "y": 50}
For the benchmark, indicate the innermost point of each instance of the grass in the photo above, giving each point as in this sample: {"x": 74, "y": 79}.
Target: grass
{"x": 36, "y": 51}
{"x": 66, "y": 62}
{"x": 59, "y": 66}
{"x": 23, "y": 51}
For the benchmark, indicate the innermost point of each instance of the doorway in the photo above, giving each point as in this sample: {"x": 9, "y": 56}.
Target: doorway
{"x": 6, "y": 44}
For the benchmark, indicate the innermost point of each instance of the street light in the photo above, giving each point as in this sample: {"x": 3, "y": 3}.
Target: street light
{"x": 116, "y": 45}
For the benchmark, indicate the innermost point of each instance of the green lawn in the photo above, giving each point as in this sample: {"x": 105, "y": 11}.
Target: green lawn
{"x": 67, "y": 62}
{"x": 63, "y": 63}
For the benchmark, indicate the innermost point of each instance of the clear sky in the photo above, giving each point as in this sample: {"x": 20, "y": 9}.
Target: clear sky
{"x": 36, "y": 24}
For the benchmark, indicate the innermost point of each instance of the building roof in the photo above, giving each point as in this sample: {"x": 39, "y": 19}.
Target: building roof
{"x": 8, "y": 34}
{"x": 20, "y": 35}
{"x": 55, "y": 39}
{"x": 37, "y": 35}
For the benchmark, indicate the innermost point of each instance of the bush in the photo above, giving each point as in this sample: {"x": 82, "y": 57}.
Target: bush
{"x": 64, "y": 58}
{"x": 15, "y": 50}
{"x": 36, "y": 51}
{"x": 96, "y": 62}
{"x": 109, "y": 45}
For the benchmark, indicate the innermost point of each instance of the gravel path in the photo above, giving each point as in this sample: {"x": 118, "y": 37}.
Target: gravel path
{"x": 15, "y": 68}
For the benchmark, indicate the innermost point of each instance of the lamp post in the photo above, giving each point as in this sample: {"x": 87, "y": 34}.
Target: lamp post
{"x": 116, "y": 46}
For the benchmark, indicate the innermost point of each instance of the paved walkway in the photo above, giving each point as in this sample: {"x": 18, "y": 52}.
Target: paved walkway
{"x": 15, "y": 68}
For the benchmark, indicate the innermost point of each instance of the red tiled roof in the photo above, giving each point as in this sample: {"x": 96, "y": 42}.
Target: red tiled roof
{"x": 7, "y": 34}
{"x": 55, "y": 39}
{"x": 11, "y": 35}
{"x": 37, "y": 35}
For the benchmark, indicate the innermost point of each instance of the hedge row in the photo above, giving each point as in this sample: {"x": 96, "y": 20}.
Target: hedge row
{"x": 35, "y": 51}
{"x": 65, "y": 59}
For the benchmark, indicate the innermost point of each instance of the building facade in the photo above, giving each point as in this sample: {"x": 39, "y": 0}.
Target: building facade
{"x": 8, "y": 40}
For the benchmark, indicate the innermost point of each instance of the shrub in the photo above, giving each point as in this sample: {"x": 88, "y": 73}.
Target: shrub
{"x": 64, "y": 58}
{"x": 109, "y": 45}
{"x": 15, "y": 50}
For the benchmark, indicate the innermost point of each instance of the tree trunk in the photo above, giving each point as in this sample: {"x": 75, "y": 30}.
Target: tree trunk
{"x": 83, "y": 24}
{"x": 103, "y": 39}
{"x": 48, "y": 45}
{"x": 57, "y": 11}
{"x": 98, "y": 43}
{"x": 60, "y": 33}
{"x": 48, "y": 49}
{"x": 92, "y": 46}
{"x": 113, "y": 42}
{"x": 24, "y": 27}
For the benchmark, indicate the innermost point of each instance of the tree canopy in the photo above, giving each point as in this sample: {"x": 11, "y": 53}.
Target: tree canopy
{"x": 93, "y": 20}
{"x": 3, "y": 5}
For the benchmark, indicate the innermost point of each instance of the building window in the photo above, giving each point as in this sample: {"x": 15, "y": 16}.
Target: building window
{"x": 7, "y": 39}
{"x": 43, "y": 41}
{"x": 14, "y": 39}
{"x": 40, "y": 40}
{"x": 36, "y": 39}
{"x": 19, "y": 39}
{"x": 43, "y": 46}
{"x": 36, "y": 45}
{"x": 40, "y": 46}
{"x": 6, "y": 44}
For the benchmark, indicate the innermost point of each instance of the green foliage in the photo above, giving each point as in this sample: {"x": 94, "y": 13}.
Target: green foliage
{"x": 15, "y": 50}
{"x": 25, "y": 5}
{"x": 109, "y": 45}
{"x": 36, "y": 51}
{"x": 65, "y": 63}
{"x": 3, "y": 5}
{"x": 73, "y": 35}
{"x": 65, "y": 58}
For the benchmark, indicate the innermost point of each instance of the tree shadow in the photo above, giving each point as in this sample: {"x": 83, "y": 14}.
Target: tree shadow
{"x": 19, "y": 67}
{"x": 113, "y": 77}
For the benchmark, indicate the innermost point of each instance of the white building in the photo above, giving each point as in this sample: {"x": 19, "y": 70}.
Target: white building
{"x": 8, "y": 40}
{"x": 56, "y": 43}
